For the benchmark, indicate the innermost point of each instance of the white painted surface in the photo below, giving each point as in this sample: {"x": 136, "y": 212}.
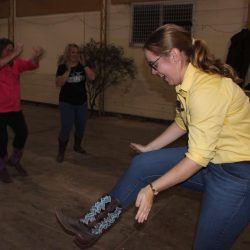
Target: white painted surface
{"x": 214, "y": 21}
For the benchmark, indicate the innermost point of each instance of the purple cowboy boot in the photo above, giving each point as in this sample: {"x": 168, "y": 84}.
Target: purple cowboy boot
{"x": 14, "y": 161}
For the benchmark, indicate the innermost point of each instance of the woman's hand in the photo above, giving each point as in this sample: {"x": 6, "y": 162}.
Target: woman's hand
{"x": 37, "y": 54}
{"x": 140, "y": 148}
{"x": 82, "y": 58}
{"x": 144, "y": 203}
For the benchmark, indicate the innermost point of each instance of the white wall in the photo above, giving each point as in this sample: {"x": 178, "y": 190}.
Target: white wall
{"x": 214, "y": 20}
{"x": 52, "y": 33}
{"x": 146, "y": 95}
{"x": 3, "y": 27}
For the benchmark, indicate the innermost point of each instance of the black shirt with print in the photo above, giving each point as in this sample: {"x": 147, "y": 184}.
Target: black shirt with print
{"x": 73, "y": 91}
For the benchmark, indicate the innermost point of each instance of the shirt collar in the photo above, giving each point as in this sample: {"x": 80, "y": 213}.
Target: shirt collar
{"x": 187, "y": 79}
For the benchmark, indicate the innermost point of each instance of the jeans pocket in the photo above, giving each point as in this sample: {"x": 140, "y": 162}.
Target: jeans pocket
{"x": 236, "y": 172}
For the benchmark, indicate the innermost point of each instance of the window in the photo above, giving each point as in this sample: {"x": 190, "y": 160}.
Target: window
{"x": 146, "y": 17}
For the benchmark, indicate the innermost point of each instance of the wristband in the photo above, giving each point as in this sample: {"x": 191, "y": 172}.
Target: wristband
{"x": 155, "y": 192}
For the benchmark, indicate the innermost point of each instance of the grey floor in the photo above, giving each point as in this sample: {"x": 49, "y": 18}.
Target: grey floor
{"x": 27, "y": 205}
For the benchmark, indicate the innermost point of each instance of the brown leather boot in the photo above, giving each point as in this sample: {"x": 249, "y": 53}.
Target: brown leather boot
{"x": 61, "y": 151}
{"x": 90, "y": 237}
{"x": 90, "y": 228}
{"x": 71, "y": 225}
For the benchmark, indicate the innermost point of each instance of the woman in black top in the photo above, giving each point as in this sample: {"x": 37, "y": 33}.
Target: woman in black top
{"x": 71, "y": 76}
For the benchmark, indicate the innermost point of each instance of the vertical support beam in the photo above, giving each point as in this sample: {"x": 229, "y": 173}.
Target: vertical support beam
{"x": 103, "y": 30}
{"x": 248, "y": 15}
{"x": 11, "y": 20}
{"x": 103, "y": 43}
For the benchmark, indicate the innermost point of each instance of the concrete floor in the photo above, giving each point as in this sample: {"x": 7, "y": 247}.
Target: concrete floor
{"x": 27, "y": 204}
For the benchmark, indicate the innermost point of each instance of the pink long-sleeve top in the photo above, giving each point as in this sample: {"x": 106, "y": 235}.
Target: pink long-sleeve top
{"x": 10, "y": 100}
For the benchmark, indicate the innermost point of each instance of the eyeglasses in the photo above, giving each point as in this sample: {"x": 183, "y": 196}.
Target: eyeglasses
{"x": 153, "y": 64}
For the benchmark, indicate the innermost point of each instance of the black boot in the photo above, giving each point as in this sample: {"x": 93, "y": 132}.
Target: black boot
{"x": 77, "y": 146}
{"x": 90, "y": 228}
{"x": 61, "y": 151}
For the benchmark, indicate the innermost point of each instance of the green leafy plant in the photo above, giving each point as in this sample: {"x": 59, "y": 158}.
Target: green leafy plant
{"x": 110, "y": 65}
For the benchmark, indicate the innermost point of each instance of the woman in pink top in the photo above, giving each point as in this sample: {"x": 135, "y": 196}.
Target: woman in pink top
{"x": 10, "y": 104}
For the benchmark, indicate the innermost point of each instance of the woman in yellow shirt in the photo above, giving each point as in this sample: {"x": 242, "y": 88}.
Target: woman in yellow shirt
{"x": 215, "y": 113}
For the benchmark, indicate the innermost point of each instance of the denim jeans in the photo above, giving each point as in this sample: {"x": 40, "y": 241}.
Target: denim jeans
{"x": 72, "y": 115}
{"x": 225, "y": 209}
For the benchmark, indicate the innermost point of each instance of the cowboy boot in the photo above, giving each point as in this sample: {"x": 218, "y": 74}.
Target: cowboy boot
{"x": 14, "y": 161}
{"x": 96, "y": 213}
{"x": 88, "y": 238}
{"x": 61, "y": 151}
{"x": 4, "y": 174}
{"x": 77, "y": 146}
{"x": 71, "y": 225}
{"x": 89, "y": 228}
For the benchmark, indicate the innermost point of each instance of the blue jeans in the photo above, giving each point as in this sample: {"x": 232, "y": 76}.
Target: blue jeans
{"x": 225, "y": 209}
{"x": 72, "y": 115}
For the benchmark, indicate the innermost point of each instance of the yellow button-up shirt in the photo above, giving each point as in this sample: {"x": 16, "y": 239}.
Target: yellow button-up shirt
{"x": 216, "y": 114}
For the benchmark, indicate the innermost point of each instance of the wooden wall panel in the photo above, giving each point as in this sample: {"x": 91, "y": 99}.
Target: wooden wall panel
{"x": 50, "y": 7}
{"x": 4, "y": 8}
{"x": 131, "y": 1}
{"x": 248, "y": 15}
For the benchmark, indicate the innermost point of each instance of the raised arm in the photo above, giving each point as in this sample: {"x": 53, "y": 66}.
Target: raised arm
{"x": 37, "y": 54}
{"x": 15, "y": 53}
{"x": 172, "y": 133}
{"x": 62, "y": 79}
{"x": 88, "y": 70}
{"x": 90, "y": 73}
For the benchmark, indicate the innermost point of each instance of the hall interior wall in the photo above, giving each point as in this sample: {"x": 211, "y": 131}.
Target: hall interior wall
{"x": 214, "y": 21}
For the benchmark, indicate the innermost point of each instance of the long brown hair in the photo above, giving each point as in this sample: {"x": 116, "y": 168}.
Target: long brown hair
{"x": 171, "y": 36}
{"x": 4, "y": 42}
